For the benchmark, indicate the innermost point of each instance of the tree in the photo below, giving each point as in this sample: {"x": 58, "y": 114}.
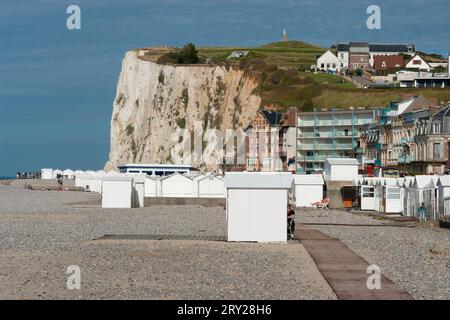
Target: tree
{"x": 188, "y": 54}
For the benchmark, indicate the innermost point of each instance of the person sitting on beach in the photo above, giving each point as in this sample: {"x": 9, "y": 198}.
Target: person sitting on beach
{"x": 290, "y": 222}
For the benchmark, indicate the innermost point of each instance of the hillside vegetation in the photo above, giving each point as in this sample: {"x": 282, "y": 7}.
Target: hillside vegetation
{"x": 282, "y": 69}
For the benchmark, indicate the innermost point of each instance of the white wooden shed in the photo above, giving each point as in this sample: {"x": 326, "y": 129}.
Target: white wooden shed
{"x": 341, "y": 169}
{"x": 177, "y": 186}
{"x": 308, "y": 189}
{"x": 117, "y": 192}
{"x": 47, "y": 174}
{"x": 211, "y": 187}
{"x": 257, "y": 206}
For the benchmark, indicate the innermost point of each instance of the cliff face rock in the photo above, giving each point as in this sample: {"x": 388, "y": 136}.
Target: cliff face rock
{"x": 153, "y": 100}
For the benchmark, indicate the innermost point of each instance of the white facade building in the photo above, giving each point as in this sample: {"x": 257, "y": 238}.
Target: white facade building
{"x": 328, "y": 62}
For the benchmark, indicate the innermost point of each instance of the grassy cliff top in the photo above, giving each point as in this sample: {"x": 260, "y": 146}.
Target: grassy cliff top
{"x": 282, "y": 66}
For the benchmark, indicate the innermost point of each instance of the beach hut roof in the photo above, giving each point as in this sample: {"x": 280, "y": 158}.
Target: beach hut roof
{"x": 308, "y": 179}
{"x": 444, "y": 181}
{"x": 423, "y": 182}
{"x": 174, "y": 175}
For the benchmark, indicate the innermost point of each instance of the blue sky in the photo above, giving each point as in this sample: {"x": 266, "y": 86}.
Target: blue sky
{"x": 57, "y": 86}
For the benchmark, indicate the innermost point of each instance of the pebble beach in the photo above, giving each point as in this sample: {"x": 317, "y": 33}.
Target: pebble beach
{"x": 44, "y": 232}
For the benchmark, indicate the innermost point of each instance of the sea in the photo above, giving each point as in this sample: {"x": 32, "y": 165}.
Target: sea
{"x": 6, "y": 178}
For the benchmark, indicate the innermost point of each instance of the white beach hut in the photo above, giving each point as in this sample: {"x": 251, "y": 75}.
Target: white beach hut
{"x": 308, "y": 189}
{"x": 256, "y": 206}
{"x": 117, "y": 192}
{"x": 211, "y": 186}
{"x": 424, "y": 191}
{"x": 47, "y": 174}
{"x": 393, "y": 202}
{"x": 68, "y": 174}
{"x": 341, "y": 169}
{"x": 177, "y": 186}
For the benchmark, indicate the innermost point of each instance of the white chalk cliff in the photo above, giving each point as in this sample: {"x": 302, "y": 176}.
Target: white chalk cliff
{"x": 153, "y": 100}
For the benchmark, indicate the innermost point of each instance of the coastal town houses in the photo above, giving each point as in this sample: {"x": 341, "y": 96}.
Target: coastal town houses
{"x": 269, "y": 140}
{"x": 356, "y": 55}
{"x": 411, "y": 136}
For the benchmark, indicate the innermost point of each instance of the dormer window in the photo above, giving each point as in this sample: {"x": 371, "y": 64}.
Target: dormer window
{"x": 383, "y": 64}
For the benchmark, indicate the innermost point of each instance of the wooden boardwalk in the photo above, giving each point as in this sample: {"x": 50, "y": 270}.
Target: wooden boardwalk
{"x": 344, "y": 270}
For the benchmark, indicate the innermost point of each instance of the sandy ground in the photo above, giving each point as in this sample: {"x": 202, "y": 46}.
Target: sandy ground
{"x": 45, "y": 232}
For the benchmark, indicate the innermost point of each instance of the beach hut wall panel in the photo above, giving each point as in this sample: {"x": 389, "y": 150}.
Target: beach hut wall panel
{"x": 256, "y": 206}
{"x": 138, "y": 193}
{"x": 393, "y": 199}
{"x": 211, "y": 187}
{"x": 47, "y": 174}
{"x": 117, "y": 192}
{"x": 195, "y": 185}
{"x": 308, "y": 189}
{"x": 152, "y": 185}
{"x": 443, "y": 186}
{"x": 341, "y": 169}
{"x": 177, "y": 186}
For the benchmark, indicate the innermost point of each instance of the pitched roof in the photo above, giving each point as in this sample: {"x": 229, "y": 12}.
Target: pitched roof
{"x": 272, "y": 117}
{"x": 390, "y": 62}
{"x": 380, "y": 47}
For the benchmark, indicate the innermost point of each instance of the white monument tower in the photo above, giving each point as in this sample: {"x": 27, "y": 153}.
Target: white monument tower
{"x": 284, "y": 36}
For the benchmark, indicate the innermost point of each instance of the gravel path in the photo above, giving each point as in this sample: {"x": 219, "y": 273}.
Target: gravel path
{"x": 417, "y": 259}
{"x": 44, "y": 232}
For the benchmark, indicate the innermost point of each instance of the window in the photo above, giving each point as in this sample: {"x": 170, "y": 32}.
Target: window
{"x": 417, "y": 62}
{"x": 334, "y": 65}
{"x": 383, "y": 65}
{"x": 328, "y": 66}
{"x": 342, "y": 56}
{"x": 437, "y": 151}
{"x": 436, "y": 128}
{"x": 322, "y": 65}
{"x": 346, "y": 132}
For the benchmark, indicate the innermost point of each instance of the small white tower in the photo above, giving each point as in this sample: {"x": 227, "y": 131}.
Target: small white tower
{"x": 284, "y": 36}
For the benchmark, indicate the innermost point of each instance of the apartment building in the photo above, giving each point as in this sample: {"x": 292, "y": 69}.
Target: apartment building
{"x": 329, "y": 134}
